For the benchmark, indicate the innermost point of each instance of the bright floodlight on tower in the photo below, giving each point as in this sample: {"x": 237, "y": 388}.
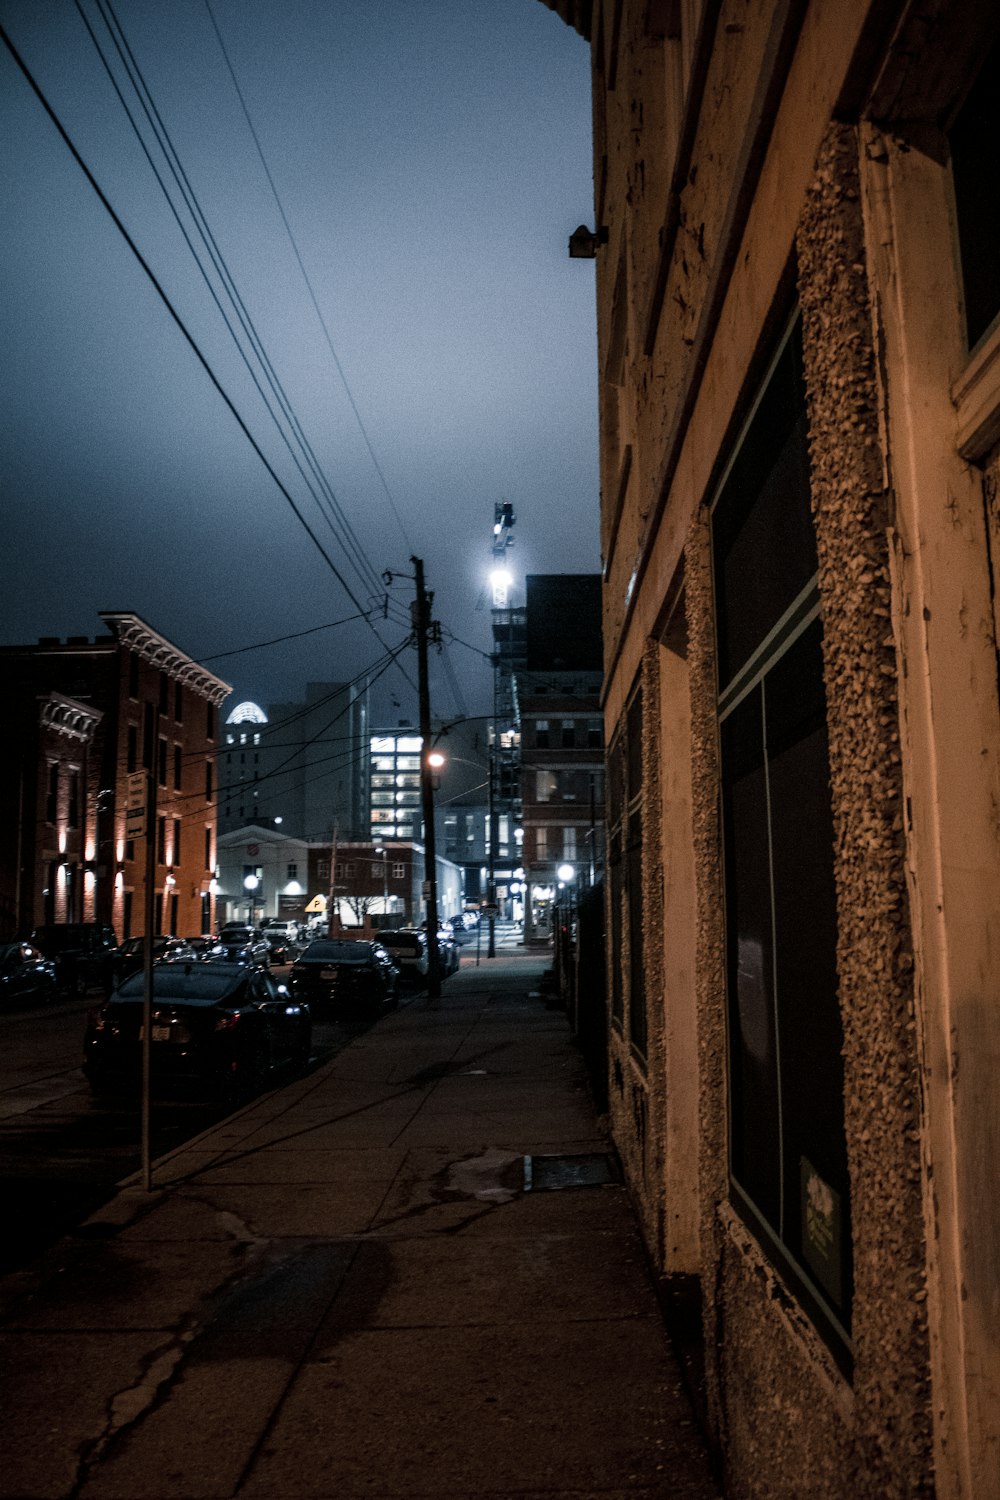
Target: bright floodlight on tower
{"x": 500, "y": 581}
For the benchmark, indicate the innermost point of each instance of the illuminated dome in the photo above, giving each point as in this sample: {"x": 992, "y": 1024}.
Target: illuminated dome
{"x": 247, "y": 713}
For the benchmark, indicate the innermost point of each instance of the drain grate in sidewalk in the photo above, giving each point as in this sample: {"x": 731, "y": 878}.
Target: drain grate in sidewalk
{"x": 547, "y": 1174}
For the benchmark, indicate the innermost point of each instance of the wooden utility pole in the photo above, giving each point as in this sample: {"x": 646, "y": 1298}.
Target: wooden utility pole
{"x": 151, "y": 755}
{"x": 423, "y": 630}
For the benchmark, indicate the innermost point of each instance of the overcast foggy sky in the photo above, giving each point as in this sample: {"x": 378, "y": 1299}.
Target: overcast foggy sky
{"x": 432, "y": 157}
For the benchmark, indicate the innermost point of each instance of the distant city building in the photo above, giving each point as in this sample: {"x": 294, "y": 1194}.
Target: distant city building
{"x": 83, "y": 717}
{"x": 394, "y": 779}
{"x": 262, "y": 872}
{"x": 557, "y": 710}
{"x": 301, "y": 767}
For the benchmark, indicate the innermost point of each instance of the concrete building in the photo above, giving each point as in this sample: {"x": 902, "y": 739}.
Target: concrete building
{"x": 798, "y": 286}
{"x": 301, "y": 767}
{"x": 85, "y": 716}
{"x": 262, "y": 872}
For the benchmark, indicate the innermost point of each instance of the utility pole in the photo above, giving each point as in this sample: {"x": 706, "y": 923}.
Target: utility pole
{"x": 423, "y": 630}
{"x": 491, "y": 882}
{"x": 152, "y": 752}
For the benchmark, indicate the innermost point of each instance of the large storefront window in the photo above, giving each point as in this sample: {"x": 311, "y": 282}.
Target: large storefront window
{"x": 788, "y": 1160}
{"x": 625, "y": 873}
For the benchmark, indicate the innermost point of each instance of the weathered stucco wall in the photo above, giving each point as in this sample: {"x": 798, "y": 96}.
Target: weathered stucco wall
{"x": 853, "y": 511}
{"x": 783, "y": 1414}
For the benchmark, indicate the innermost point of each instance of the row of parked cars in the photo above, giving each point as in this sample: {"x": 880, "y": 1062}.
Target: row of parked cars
{"x": 222, "y": 1021}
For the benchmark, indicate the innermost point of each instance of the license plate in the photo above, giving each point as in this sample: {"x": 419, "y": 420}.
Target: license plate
{"x": 327, "y": 973}
{"x": 162, "y": 1033}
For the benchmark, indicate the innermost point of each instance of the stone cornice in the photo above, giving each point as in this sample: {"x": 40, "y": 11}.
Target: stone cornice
{"x": 132, "y": 631}
{"x": 66, "y": 716}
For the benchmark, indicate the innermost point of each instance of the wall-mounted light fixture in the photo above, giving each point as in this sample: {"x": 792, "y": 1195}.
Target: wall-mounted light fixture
{"x": 583, "y": 242}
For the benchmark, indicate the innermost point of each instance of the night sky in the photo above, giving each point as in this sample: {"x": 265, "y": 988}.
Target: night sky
{"x": 431, "y": 158}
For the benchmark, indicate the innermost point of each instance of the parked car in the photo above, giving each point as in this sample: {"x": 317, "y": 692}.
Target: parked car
{"x": 130, "y": 957}
{"x": 83, "y": 953}
{"x": 408, "y": 950}
{"x": 216, "y": 1028}
{"x": 283, "y": 948}
{"x": 279, "y": 927}
{"x": 206, "y": 945}
{"x": 25, "y": 974}
{"x": 244, "y": 945}
{"x": 457, "y": 931}
{"x": 345, "y": 973}
{"x": 449, "y": 956}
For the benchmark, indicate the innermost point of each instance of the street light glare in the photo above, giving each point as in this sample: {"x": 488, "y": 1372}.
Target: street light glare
{"x": 565, "y": 872}
{"x": 435, "y": 758}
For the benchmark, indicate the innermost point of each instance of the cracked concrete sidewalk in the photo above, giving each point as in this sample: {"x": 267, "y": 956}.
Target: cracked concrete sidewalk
{"x": 350, "y": 1289}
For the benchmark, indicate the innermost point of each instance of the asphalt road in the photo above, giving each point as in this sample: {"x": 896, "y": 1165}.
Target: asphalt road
{"x": 62, "y": 1152}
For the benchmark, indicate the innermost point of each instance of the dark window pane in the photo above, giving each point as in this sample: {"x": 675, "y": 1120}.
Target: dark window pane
{"x": 763, "y": 540}
{"x": 975, "y": 166}
{"x": 805, "y": 923}
{"x": 636, "y": 983}
{"x": 754, "y": 1109}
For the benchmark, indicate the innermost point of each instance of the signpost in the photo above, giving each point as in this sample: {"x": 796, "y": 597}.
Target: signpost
{"x": 135, "y": 807}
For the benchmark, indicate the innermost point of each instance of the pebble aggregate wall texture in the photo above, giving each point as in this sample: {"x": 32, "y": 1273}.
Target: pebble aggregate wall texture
{"x": 786, "y": 1422}
{"x": 710, "y": 983}
{"x": 875, "y": 955}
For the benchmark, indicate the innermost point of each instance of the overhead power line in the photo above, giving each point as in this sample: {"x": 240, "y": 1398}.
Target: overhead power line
{"x": 279, "y": 640}
{"x": 326, "y": 501}
{"x": 178, "y": 320}
{"x": 305, "y": 276}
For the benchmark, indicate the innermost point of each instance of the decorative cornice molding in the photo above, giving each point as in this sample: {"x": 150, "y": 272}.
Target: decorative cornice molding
{"x": 132, "y": 631}
{"x": 66, "y": 716}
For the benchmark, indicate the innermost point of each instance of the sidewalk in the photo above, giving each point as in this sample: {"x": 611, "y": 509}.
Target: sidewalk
{"x": 346, "y": 1290}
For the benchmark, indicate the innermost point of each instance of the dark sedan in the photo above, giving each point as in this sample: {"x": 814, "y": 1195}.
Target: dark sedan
{"x": 131, "y": 955}
{"x": 346, "y": 974}
{"x": 244, "y": 945}
{"x": 217, "y": 1028}
{"x": 25, "y": 974}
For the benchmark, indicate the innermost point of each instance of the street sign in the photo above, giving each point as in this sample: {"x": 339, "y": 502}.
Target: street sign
{"x": 135, "y": 807}
{"x": 318, "y": 903}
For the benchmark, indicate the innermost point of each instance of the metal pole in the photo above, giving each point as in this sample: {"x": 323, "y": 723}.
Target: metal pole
{"x": 423, "y": 624}
{"x": 491, "y": 882}
{"x": 147, "y": 956}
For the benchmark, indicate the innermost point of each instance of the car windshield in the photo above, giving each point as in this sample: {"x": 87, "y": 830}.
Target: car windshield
{"x": 338, "y": 953}
{"x": 195, "y": 982}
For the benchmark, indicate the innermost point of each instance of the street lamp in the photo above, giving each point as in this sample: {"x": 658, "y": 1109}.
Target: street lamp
{"x": 381, "y": 849}
{"x": 250, "y": 884}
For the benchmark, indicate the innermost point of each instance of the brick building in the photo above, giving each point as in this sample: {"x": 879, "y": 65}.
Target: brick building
{"x": 90, "y": 714}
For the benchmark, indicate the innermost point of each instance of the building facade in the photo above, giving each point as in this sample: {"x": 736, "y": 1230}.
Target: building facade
{"x": 557, "y": 712}
{"x": 101, "y": 715}
{"x": 799, "y": 361}
{"x": 261, "y": 872}
{"x": 301, "y": 767}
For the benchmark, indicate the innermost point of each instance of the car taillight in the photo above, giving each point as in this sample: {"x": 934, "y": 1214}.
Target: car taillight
{"x": 226, "y": 1023}
{"x": 98, "y": 1019}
